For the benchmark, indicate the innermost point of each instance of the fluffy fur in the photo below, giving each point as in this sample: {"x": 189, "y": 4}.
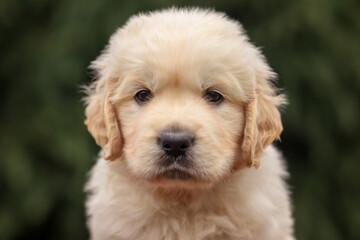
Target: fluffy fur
{"x": 237, "y": 188}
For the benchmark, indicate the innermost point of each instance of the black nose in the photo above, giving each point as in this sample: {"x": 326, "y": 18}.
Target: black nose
{"x": 176, "y": 142}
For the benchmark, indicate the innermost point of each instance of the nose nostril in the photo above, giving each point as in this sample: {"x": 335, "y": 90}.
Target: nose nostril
{"x": 184, "y": 146}
{"x": 167, "y": 146}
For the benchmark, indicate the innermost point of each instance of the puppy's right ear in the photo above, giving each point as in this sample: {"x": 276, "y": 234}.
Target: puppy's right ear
{"x": 101, "y": 118}
{"x": 95, "y": 121}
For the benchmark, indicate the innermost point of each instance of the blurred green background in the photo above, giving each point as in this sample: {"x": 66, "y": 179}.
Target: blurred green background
{"x": 46, "y": 151}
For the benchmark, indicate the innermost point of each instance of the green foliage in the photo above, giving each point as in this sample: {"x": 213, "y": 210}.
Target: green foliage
{"x": 46, "y": 46}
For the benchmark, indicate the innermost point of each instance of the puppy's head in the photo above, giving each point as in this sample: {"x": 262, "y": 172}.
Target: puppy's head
{"x": 183, "y": 98}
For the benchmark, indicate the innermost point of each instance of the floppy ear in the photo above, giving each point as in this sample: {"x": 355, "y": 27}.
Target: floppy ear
{"x": 101, "y": 118}
{"x": 262, "y": 118}
{"x": 113, "y": 149}
{"x": 94, "y": 112}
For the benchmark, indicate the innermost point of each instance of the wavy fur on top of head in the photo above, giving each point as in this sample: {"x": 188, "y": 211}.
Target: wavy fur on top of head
{"x": 179, "y": 55}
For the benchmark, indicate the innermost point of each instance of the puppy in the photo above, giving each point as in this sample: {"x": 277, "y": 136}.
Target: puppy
{"x": 185, "y": 112}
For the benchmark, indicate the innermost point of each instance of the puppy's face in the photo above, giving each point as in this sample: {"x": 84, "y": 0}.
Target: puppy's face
{"x": 182, "y": 106}
{"x": 179, "y": 125}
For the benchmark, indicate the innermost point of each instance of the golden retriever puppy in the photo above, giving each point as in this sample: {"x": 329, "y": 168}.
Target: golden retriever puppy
{"x": 185, "y": 112}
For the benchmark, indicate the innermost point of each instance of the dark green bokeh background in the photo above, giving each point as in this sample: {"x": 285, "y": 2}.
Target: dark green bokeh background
{"x": 46, "y": 151}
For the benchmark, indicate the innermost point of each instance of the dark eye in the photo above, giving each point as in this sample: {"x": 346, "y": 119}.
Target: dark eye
{"x": 143, "y": 96}
{"x": 213, "y": 97}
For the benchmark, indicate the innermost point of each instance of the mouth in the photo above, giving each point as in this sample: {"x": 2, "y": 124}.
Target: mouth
{"x": 176, "y": 174}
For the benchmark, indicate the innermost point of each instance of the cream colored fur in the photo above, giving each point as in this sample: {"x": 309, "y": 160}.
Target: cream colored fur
{"x": 237, "y": 188}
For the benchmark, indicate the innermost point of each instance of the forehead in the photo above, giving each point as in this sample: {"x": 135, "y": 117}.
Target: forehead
{"x": 185, "y": 75}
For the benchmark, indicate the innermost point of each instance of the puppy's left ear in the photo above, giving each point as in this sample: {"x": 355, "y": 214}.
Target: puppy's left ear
{"x": 262, "y": 117}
